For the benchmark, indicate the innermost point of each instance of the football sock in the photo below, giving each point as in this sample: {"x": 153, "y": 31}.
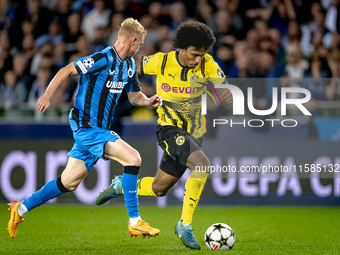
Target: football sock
{"x": 145, "y": 187}
{"x": 133, "y": 221}
{"x": 193, "y": 190}
{"x": 22, "y": 210}
{"x": 129, "y": 185}
{"x": 51, "y": 190}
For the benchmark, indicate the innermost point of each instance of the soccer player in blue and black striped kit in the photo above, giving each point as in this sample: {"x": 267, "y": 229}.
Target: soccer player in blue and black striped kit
{"x": 103, "y": 77}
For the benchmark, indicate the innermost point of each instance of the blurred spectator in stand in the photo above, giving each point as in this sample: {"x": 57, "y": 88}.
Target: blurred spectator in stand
{"x": 293, "y": 74}
{"x": 293, "y": 36}
{"x": 204, "y": 11}
{"x": 28, "y": 47}
{"x": 59, "y": 58}
{"x": 302, "y": 7}
{"x": 178, "y": 14}
{"x": 72, "y": 33}
{"x": 39, "y": 86}
{"x": 127, "y": 7}
{"x": 6, "y": 14}
{"x": 53, "y": 36}
{"x": 99, "y": 42}
{"x": 82, "y": 6}
{"x": 116, "y": 20}
{"x": 49, "y": 4}
{"x": 98, "y": 17}
{"x": 13, "y": 92}
{"x": 252, "y": 37}
{"x": 281, "y": 15}
{"x": 47, "y": 61}
{"x": 20, "y": 69}
{"x": 295, "y": 68}
{"x": 167, "y": 46}
{"x": 231, "y": 6}
{"x": 39, "y": 16}
{"x": 45, "y": 48}
{"x": 276, "y": 45}
{"x": 331, "y": 18}
{"x": 333, "y": 90}
{"x": 6, "y": 59}
{"x": 261, "y": 27}
{"x": 164, "y": 35}
{"x": 147, "y": 23}
{"x": 82, "y": 48}
{"x": 225, "y": 59}
{"x": 27, "y": 28}
{"x": 319, "y": 31}
{"x": 158, "y": 14}
{"x": 263, "y": 65}
{"x": 316, "y": 79}
{"x": 63, "y": 10}
{"x": 222, "y": 29}
{"x": 315, "y": 33}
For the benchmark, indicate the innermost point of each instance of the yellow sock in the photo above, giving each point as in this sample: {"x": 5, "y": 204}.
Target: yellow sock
{"x": 193, "y": 190}
{"x": 145, "y": 187}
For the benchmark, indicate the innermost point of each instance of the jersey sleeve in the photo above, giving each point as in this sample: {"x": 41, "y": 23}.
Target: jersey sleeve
{"x": 214, "y": 72}
{"x": 133, "y": 84}
{"x": 91, "y": 64}
{"x": 149, "y": 64}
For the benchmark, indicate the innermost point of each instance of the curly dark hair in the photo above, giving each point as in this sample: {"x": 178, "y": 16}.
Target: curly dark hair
{"x": 194, "y": 34}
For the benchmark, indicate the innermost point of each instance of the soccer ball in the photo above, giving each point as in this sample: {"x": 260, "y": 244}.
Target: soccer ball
{"x": 219, "y": 236}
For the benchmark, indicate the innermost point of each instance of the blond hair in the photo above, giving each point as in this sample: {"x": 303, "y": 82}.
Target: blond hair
{"x": 131, "y": 28}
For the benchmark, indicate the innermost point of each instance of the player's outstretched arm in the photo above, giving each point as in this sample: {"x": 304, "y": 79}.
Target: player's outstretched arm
{"x": 58, "y": 79}
{"x": 139, "y": 99}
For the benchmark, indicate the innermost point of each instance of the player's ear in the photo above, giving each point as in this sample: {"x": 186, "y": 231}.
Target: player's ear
{"x": 134, "y": 40}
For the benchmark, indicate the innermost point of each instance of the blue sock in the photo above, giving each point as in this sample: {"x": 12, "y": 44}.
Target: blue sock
{"x": 129, "y": 185}
{"x": 51, "y": 190}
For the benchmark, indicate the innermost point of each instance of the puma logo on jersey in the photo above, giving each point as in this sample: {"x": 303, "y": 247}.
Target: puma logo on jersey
{"x": 195, "y": 200}
{"x": 173, "y": 76}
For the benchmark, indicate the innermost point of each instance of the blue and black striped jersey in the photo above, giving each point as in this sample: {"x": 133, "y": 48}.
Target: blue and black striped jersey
{"x": 103, "y": 76}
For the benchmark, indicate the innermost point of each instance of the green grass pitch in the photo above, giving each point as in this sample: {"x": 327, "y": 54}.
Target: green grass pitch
{"x": 80, "y": 229}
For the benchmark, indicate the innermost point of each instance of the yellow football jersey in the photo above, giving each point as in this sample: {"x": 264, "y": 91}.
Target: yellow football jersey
{"x": 181, "y": 90}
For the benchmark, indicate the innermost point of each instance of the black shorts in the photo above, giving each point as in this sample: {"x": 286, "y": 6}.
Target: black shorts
{"x": 177, "y": 145}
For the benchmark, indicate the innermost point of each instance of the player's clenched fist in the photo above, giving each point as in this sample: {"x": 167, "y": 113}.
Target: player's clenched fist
{"x": 43, "y": 103}
{"x": 155, "y": 101}
{"x": 227, "y": 96}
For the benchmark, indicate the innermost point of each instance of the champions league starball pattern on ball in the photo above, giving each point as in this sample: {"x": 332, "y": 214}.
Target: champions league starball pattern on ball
{"x": 219, "y": 236}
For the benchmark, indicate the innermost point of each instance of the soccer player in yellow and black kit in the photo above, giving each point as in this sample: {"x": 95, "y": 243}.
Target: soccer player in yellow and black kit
{"x": 180, "y": 124}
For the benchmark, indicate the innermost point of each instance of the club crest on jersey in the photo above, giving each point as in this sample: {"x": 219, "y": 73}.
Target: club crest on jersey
{"x": 88, "y": 62}
{"x": 130, "y": 72}
{"x": 220, "y": 72}
{"x": 146, "y": 60}
{"x": 180, "y": 140}
{"x": 195, "y": 77}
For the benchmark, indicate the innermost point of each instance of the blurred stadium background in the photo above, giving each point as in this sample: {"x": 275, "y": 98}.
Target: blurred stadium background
{"x": 277, "y": 43}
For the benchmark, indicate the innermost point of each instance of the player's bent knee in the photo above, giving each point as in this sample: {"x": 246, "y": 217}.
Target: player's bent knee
{"x": 135, "y": 159}
{"x": 71, "y": 186}
{"x": 161, "y": 193}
